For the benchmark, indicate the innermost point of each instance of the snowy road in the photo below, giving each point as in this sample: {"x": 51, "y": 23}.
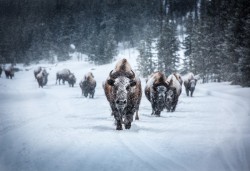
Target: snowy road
{"x": 55, "y": 128}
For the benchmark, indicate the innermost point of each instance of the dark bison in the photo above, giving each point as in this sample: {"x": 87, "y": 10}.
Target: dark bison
{"x": 190, "y": 83}
{"x": 123, "y": 91}
{"x": 37, "y": 71}
{"x": 71, "y": 80}
{"x": 88, "y": 85}
{"x": 173, "y": 92}
{"x": 155, "y": 92}
{"x": 42, "y": 78}
{"x": 63, "y": 75}
{"x": 9, "y": 72}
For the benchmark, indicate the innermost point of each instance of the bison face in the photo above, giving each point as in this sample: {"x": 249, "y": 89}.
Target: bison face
{"x": 170, "y": 95}
{"x": 121, "y": 88}
{"x": 160, "y": 96}
{"x": 192, "y": 83}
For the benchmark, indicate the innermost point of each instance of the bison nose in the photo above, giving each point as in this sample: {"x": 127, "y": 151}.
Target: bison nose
{"x": 121, "y": 102}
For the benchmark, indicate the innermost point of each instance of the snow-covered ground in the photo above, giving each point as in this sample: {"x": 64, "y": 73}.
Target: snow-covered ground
{"x": 56, "y": 128}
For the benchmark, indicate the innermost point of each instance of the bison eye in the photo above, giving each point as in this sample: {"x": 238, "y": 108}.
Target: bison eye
{"x": 127, "y": 88}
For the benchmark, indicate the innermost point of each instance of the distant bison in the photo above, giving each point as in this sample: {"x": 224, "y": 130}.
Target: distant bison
{"x": 173, "y": 92}
{"x": 155, "y": 91}
{"x": 42, "y": 78}
{"x": 9, "y": 72}
{"x": 88, "y": 85}
{"x": 71, "y": 80}
{"x": 190, "y": 83}
{"x": 123, "y": 91}
{"x": 63, "y": 75}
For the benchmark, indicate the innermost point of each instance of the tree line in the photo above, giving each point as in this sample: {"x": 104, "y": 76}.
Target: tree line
{"x": 216, "y": 41}
{"x": 216, "y": 34}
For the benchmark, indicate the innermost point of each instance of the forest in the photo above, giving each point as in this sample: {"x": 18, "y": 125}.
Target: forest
{"x": 216, "y": 34}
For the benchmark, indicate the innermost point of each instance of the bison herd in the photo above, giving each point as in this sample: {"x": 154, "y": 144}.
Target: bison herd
{"x": 123, "y": 89}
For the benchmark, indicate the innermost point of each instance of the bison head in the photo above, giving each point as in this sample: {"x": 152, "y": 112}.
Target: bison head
{"x": 122, "y": 84}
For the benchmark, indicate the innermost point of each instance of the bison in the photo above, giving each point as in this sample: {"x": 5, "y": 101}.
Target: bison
{"x": 9, "y": 72}
{"x": 123, "y": 92}
{"x": 42, "y": 78}
{"x": 63, "y": 75}
{"x": 155, "y": 91}
{"x": 173, "y": 92}
{"x": 88, "y": 85}
{"x": 190, "y": 83}
{"x": 71, "y": 80}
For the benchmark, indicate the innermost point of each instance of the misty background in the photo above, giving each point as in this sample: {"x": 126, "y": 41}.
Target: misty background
{"x": 213, "y": 35}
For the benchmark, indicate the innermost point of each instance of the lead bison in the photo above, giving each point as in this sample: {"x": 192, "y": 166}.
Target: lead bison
{"x": 63, "y": 75}
{"x": 155, "y": 92}
{"x": 9, "y": 72}
{"x": 88, "y": 85}
{"x": 42, "y": 78}
{"x": 173, "y": 92}
{"x": 123, "y": 91}
{"x": 190, "y": 83}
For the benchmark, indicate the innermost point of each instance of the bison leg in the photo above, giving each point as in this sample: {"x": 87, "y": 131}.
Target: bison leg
{"x": 192, "y": 91}
{"x": 118, "y": 125}
{"x": 174, "y": 106}
{"x": 136, "y": 115}
{"x": 158, "y": 113}
{"x": 128, "y": 120}
{"x": 187, "y": 91}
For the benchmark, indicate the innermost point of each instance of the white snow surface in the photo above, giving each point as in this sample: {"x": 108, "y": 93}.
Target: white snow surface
{"x": 56, "y": 128}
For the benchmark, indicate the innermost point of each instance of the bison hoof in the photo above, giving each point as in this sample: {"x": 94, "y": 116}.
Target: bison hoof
{"x": 118, "y": 127}
{"x": 128, "y": 126}
{"x": 136, "y": 118}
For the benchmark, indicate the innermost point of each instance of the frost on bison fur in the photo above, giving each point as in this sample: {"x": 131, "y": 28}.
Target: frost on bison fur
{"x": 123, "y": 91}
{"x": 71, "y": 80}
{"x": 9, "y": 72}
{"x": 155, "y": 91}
{"x": 62, "y": 75}
{"x": 173, "y": 92}
{"x": 190, "y": 83}
{"x": 88, "y": 85}
{"x": 42, "y": 78}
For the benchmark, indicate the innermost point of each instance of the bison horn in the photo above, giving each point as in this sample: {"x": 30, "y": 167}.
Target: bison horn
{"x": 111, "y": 75}
{"x": 131, "y": 76}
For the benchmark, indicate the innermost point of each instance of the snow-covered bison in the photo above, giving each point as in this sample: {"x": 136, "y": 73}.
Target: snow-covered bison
{"x": 155, "y": 91}
{"x": 63, "y": 75}
{"x": 42, "y": 78}
{"x": 123, "y": 91}
{"x": 173, "y": 92}
{"x": 88, "y": 85}
{"x": 9, "y": 72}
{"x": 190, "y": 83}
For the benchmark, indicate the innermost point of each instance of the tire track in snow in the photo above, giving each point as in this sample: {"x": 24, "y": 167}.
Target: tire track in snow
{"x": 149, "y": 156}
